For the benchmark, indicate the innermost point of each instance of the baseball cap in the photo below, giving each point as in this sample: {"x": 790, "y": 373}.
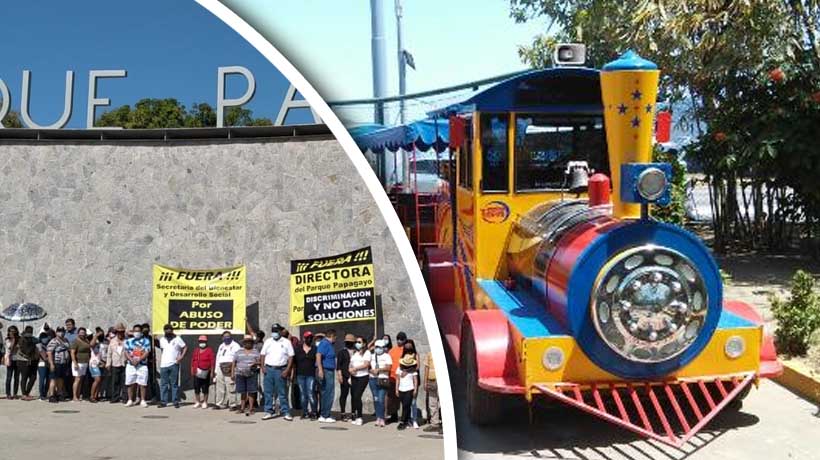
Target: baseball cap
{"x": 307, "y": 334}
{"x": 350, "y": 338}
{"x": 203, "y": 338}
{"x": 381, "y": 343}
{"x": 276, "y": 327}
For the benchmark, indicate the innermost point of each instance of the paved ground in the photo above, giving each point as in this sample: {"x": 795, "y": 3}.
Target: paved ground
{"x": 773, "y": 424}
{"x": 107, "y": 432}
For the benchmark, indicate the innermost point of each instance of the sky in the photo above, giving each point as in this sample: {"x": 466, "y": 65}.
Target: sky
{"x": 452, "y": 42}
{"x": 169, "y": 48}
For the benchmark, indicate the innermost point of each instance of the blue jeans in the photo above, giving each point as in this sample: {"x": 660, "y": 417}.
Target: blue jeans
{"x": 306, "y": 392}
{"x": 43, "y": 380}
{"x": 274, "y": 382}
{"x": 169, "y": 384}
{"x": 328, "y": 390}
{"x": 378, "y": 397}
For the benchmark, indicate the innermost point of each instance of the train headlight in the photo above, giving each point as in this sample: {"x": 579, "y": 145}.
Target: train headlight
{"x": 651, "y": 184}
{"x": 553, "y": 358}
{"x": 649, "y": 304}
{"x": 735, "y": 347}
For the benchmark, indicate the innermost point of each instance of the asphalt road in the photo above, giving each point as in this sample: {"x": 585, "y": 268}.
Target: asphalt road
{"x": 107, "y": 432}
{"x": 773, "y": 424}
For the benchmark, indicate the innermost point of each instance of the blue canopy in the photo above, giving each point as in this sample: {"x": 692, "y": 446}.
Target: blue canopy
{"x": 420, "y": 135}
{"x": 365, "y": 128}
{"x": 554, "y": 90}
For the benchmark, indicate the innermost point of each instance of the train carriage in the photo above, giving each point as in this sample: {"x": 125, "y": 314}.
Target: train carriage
{"x": 549, "y": 277}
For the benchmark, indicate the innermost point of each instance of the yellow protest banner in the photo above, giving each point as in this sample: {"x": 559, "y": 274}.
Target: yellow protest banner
{"x": 333, "y": 289}
{"x": 199, "y": 301}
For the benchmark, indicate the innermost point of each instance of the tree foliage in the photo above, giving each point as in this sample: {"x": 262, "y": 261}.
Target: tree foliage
{"x": 12, "y": 120}
{"x": 169, "y": 113}
{"x": 748, "y": 72}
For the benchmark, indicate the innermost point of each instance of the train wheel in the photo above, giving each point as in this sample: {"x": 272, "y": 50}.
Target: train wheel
{"x": 737, "y": 403}
{"x": 483, "y": 407}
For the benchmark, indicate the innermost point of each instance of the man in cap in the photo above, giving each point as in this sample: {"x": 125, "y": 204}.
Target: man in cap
{"x": 277, "y": 360}
{"x": 326, "y": 371}
{"x": 173, "y": 350}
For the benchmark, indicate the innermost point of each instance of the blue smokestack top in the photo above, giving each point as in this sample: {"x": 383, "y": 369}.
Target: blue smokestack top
{"x": 630, "y": 60}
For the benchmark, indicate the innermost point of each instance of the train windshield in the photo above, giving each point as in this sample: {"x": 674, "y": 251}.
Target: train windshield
{"x": 544, "y": 144}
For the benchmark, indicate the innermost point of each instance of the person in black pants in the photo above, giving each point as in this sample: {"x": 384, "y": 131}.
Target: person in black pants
{"x": 343, "y": 373}
{"x": 115, "y": 363}
{"x": 407, "y": 386}
{"x": 12, "y": 371}
{"x": 359, "y": 369}
{"x": 27, "y": 362}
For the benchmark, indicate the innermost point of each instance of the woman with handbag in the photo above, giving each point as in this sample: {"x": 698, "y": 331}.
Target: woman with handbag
{"x": 202, "y": 368}
{"x": 380, "y": 364}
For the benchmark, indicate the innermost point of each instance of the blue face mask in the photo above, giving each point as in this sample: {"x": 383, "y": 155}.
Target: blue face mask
{"x": 359, "y": 346}
{"x": 379, "y": 350}
{"x": 227, "y": 340}
{"x": 276, "y": 335}
{"x": 44, "y": 341}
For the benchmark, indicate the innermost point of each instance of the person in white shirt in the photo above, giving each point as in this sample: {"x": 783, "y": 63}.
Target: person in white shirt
{"x": 173, "y": 350}
{"x": 359, "y": 377}
{"x": 380, "y": 364}
{"x": 277, "y": 360}
{"x": 225, "y": 385}
{"x": 407, "y": 386}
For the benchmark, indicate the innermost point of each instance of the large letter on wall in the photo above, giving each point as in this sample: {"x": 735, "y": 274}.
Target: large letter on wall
{"x": 67, "y": 106}
{"x": 221, "y": 102}
{"x": 5, "y": 105}
{"x": 291, "y": 103}
{"x": 93, "y": 100}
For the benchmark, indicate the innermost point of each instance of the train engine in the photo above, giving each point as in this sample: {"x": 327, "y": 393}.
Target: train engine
{"x": 587, "y": 301}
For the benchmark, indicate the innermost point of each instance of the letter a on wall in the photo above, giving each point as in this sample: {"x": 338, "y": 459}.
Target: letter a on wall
{"x": 206, "y": 301}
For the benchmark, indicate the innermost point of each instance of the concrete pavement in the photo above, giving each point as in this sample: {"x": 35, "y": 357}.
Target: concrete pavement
{"x": 106, "y": 432}
{"x": 773, "y": 424}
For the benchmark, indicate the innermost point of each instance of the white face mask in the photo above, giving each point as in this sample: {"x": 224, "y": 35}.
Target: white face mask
{"x": 138, "y": 335}
{"x": 379, "y": 350}
{"x": 203, "y": 345}
{"x": 359, "y": 346}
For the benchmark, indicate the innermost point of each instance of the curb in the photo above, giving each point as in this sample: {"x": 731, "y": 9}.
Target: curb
{"x": 799, "y": 379}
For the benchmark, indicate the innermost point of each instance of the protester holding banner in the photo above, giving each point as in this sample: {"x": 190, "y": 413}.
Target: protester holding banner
{"x": 326, "y": 371}
{"x": 304, "y": 362}
{"x": 115, "y": 362}
{"x": 173, "y": 351}
{"x": 223, "y": 379}
{"x": 137, "y": 349}
{"x": 277, "y": 357}
{"x": 244, "y": 371}
{"x": 343, "y": 373}
{"x": 380, "y": 364}
{"x": 202, "y": 368}
{"x": 359, "y": 377}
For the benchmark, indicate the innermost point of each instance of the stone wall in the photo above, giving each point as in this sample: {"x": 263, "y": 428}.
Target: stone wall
{"x": 82, "y": 222}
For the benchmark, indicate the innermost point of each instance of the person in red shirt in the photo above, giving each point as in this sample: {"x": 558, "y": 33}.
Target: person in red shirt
{"x": 202, "y": 370}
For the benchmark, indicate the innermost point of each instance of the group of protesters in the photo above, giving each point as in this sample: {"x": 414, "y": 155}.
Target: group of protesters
{"x": 121, "y": 365}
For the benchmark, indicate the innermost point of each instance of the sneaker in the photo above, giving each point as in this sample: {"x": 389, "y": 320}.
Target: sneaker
{"x": 415, "y": 425}
{"x": 401, "y": 426}
{"x": 176, "y": 405}
{"x": 162, "y": 405}
{"x": 267, "y": 416}
{"x": 327, "y": 420}
{"x": 288, "y": 418}
{"x": 432, "y": 428}
{"x": 204, "y": 405}
{"x": 196, "y": 405}
{"x": 129, "y": 403}
{"x": 357, "y": 422}
{"x": 143, "y": 404}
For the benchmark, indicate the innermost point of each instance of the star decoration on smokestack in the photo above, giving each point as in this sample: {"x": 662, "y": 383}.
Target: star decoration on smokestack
{"x": 636, "y": 95}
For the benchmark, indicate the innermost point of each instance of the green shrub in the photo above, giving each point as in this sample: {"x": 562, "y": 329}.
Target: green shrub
{"x": 675, "y": 212}
{"x": 798, "y": 317}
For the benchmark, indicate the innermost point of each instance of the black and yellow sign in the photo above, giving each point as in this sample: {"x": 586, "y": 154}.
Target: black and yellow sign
{"x": 199, "y": 301}
{"x": 333, "y": 289}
